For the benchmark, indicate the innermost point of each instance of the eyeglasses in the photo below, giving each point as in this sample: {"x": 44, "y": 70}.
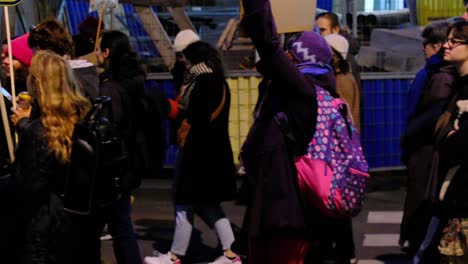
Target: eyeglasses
{"x": 455, "y": 43}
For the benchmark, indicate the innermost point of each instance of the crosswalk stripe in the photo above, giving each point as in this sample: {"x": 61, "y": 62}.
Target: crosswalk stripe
{"x": 370, "y": 261}
{"x": 384, "y": 217}
{"x": 380, "y": 240}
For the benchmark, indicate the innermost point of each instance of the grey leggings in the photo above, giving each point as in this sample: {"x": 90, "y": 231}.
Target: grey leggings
{"x": 212, "y": 215}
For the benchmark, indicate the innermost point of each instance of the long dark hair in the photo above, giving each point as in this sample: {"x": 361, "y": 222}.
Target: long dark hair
{"x": 201, "y": 51}
{"x": 122, "y": 62}
{"x": 339, "y": 64}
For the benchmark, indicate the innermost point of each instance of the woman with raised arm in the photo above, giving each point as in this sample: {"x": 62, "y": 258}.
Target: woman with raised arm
{"x": 276, "y": 218}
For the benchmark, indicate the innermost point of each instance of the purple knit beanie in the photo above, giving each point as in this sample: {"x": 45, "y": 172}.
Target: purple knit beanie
{"x": 310, "y": 46}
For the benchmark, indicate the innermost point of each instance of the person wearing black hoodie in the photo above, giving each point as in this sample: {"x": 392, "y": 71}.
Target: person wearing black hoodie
{"x": 123, "y": 80}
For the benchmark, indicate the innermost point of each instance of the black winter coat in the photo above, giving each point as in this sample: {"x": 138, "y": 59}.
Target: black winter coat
{"x": 33, "y": 221}
{"x": 123, "y": 117}
{"x": 206, "y": 171}
{"x": 433, "y": 101}
{"x": 454, "y": 151}
{"x": 276, "y": 205}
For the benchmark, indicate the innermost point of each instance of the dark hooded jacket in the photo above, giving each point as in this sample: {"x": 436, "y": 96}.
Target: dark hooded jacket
{"x": 432, "y": 102}
{"x": 131, "y": 109}
{"x": 275, "y": 204}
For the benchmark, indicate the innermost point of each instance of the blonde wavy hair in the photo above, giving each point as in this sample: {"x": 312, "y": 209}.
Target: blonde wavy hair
{"x": 52, "y": 84}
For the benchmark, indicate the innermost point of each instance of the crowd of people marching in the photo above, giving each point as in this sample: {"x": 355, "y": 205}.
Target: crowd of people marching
{"x": 67, "y": 77}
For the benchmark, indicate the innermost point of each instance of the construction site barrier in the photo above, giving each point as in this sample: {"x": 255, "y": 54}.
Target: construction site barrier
{"x": 383, "y": 113}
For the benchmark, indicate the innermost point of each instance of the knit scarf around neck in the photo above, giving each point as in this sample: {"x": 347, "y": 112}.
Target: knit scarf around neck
{"x": 190, "y": 81}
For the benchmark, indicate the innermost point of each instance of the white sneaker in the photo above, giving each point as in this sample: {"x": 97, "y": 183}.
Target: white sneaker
{"x": 161, "y": 259}
{"x": 106, "y": 237}
{"x": 105, "y": 234}
{"x": 225, "y": 260}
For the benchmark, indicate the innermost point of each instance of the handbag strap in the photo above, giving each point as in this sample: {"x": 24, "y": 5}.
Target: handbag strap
{"x": 216, "y": 113}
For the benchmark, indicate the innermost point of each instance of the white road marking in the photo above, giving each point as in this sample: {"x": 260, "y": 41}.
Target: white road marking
{"x": 370, "y": 261}
{"x": 381, "y": 240}
{"x": 384, "y": 217}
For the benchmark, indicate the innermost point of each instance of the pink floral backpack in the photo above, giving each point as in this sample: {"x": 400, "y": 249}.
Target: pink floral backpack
{"x": 334, "y": 173}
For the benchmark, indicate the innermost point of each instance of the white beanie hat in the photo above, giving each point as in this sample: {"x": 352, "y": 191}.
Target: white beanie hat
{"x": 184, "y": 38}
{"x": 339, "y": 43}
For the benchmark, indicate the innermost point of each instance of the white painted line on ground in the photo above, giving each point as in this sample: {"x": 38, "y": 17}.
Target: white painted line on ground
{"x": 381, "y": 240}
{"x": 384, "y": 217}
{"x": 370, "y": 261}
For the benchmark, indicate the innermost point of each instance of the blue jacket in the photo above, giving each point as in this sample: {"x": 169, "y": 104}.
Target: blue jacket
{"x": 420, "y": 81}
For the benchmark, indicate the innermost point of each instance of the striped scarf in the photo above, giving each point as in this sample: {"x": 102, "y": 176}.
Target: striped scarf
{"x": 190, "y": 81}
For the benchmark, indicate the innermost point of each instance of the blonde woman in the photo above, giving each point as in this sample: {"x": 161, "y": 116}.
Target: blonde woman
{"x": 37, "y": 226}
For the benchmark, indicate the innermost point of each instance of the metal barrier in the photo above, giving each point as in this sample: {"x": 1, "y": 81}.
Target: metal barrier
{"x": 383, "y": 113}
{"x": 384, "y": 117}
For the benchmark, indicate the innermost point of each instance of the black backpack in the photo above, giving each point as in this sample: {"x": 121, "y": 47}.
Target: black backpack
{"x": 99, "y": 161}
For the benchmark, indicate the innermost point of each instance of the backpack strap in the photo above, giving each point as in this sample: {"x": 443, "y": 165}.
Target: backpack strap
{"x": 96, "y": 109}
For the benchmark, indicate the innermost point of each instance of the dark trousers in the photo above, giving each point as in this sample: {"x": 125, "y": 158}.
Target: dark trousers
{"x": 417, "y": 210}
{"x": 84, "y": 244}
{"x": 335, "y": 242}
{"x": 120, "y": 226}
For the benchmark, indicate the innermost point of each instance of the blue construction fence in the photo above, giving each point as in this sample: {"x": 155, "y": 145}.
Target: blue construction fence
{"x": 78, "y": 10}
{"x": 383, "y": 116}
{"x": 325, "y": 4}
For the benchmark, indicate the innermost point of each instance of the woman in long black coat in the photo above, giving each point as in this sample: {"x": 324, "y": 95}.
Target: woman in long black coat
{"x": 205, "y": 171}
